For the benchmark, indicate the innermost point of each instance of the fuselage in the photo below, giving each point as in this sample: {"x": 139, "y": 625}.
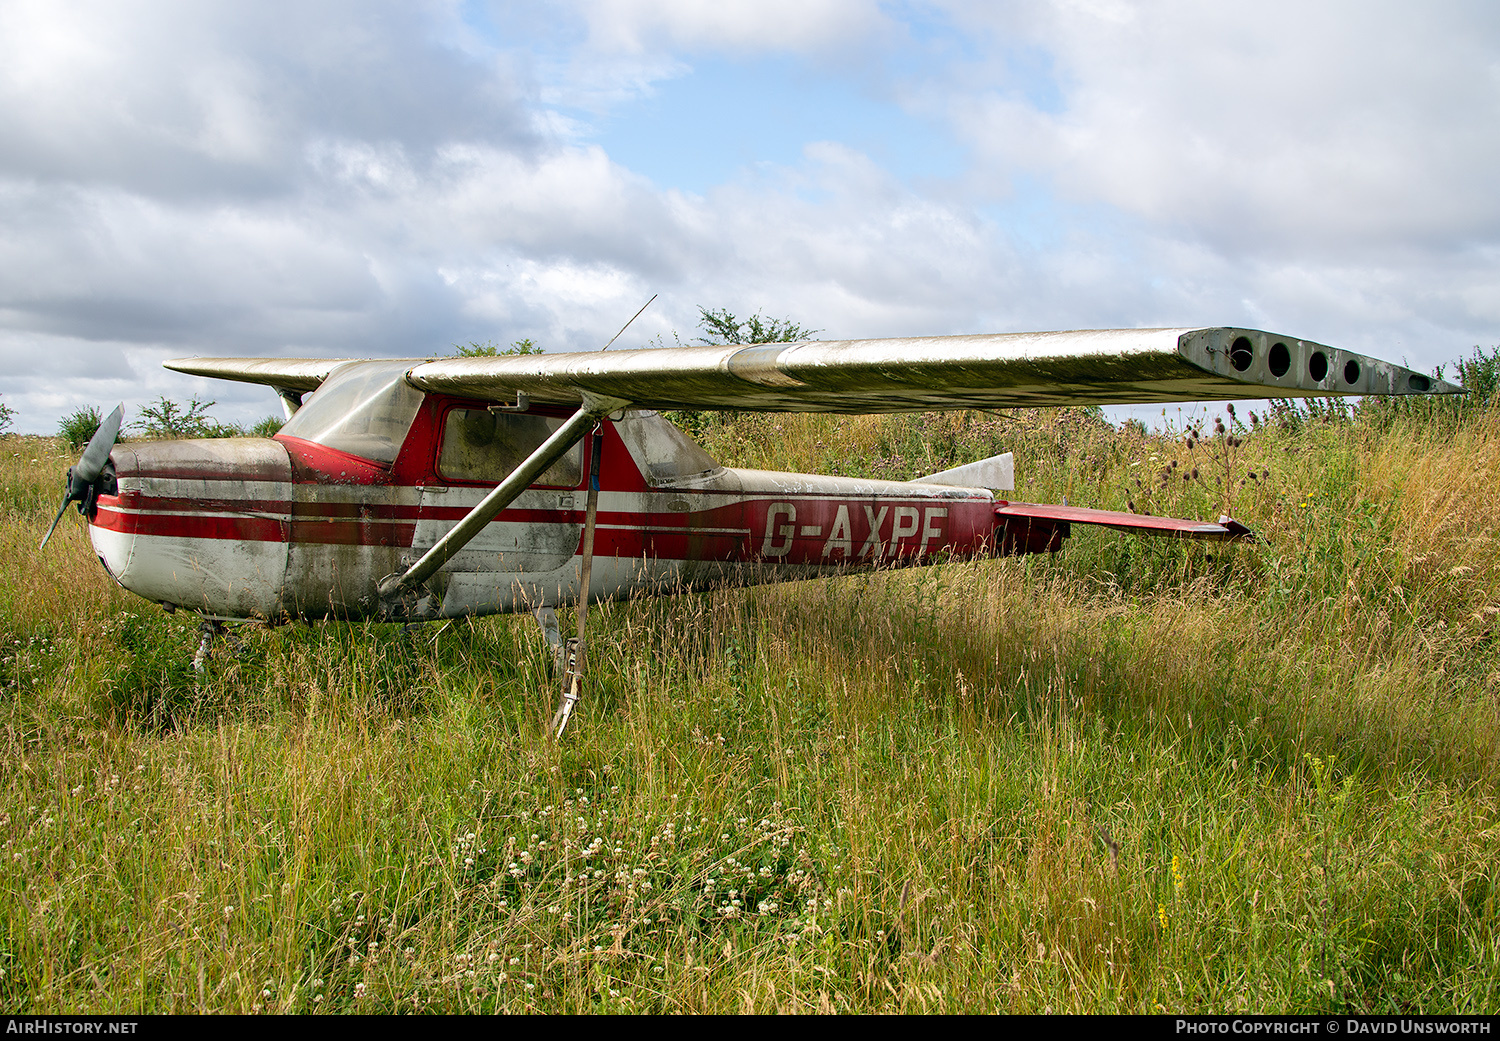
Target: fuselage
{"x": 306, "y": 524}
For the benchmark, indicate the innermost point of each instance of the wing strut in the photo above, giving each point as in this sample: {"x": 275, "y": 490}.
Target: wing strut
{"x": 595, "y": 407}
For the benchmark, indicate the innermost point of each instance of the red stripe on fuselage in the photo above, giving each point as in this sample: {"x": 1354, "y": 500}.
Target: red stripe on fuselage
{"x": 132, "y": 499}
{"x": 792, "y": 530}
{"x": 243, "y": 527}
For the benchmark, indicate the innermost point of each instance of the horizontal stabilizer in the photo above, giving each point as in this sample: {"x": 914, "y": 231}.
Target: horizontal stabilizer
{"x": 1227, "y": 530}
{"x": 998, "y": 473}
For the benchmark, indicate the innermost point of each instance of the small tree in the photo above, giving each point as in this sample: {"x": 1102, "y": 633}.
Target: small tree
{"x": 165, "y": 420}
{"x": 79, "y": 428}
{"x": 7, "y": 414}
{"x": 491, "y": 349}
{"x": 722, "y": 327}
{"x": 1479, "y": 373}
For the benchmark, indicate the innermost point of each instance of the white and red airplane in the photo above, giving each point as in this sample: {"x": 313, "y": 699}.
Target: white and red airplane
{"x": 415, "y": 490}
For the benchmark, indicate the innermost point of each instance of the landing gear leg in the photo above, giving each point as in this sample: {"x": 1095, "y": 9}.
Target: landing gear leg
{"x": 547, "y": 619}
{"x": 572, "y": 686}
{"x": 577, "y": 654}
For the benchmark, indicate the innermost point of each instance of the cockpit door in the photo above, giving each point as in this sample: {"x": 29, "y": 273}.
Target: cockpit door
{"x": 536, "y": 537}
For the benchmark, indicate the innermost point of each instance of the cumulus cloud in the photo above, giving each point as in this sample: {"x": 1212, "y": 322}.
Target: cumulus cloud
{"x": 1320, "y": 127}
{"x": 389, "y": 179}
{"x": 1319, "y": 166}
{"x": 731, "y": 25}
{"x": 179, "y": 98}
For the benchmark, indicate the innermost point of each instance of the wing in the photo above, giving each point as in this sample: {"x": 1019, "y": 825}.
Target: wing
{"x": 294, "y": 374}
{"x": 1113, "y": 366}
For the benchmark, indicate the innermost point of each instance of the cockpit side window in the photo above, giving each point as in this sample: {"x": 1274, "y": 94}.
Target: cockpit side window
{"x": 665, "y": 454}
{"x": 363, "y": 408}
{"x": 480, "y": 445}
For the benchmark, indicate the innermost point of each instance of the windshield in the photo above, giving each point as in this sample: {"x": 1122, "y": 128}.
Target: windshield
{"x": 363, "y": 408}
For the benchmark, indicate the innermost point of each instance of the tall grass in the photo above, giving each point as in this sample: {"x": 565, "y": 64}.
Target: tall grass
{"x": 1136, "y": 776}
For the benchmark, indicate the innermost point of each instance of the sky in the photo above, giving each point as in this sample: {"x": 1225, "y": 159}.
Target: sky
{"x": 389, "y": 179}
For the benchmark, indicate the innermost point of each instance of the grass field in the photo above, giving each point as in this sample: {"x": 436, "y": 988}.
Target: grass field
{"x": 1137, "y": 776}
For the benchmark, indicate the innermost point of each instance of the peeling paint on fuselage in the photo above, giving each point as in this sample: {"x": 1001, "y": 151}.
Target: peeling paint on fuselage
{"x": 278, "y": 528}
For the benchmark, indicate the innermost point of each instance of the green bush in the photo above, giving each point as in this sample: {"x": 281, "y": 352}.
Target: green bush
{"x": 723, "y": 327}
{"x": 491, "y": 349}
{"x": 165, "y": 420}
{"x": 79, "y": 428}
{"x": 1480, "y": 375}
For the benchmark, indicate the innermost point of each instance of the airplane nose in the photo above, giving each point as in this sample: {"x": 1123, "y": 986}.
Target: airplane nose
{"x": 201, "y": 524}
{"x": 92, "y": 474}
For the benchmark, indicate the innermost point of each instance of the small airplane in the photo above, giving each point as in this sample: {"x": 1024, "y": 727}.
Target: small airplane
{"x": 417, "y": 489}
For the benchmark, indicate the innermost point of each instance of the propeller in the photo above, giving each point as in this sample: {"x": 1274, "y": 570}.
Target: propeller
{"x": 81, "y": 477}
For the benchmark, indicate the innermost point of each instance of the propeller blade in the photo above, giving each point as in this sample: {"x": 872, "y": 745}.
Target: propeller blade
{"x": 67, "y": 499}
{"x": 89, "y": 467}
{"x": 95, "y": 455}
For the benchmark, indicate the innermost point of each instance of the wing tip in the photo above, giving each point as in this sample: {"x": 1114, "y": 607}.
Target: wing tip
{"x": 1285, "y": 366}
